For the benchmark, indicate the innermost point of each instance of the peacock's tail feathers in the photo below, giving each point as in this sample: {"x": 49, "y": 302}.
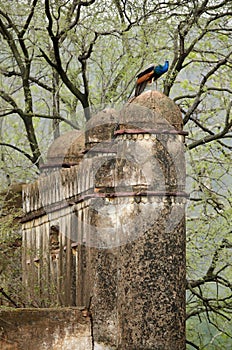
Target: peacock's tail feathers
{"x": 140, "y": 88}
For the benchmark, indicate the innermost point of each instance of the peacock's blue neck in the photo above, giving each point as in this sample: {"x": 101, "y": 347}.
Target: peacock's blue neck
{"x": 159, "y": 70}
{"x": 166, "y": 65}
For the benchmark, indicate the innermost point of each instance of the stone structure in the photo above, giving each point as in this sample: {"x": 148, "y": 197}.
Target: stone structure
{"x": 106, "y": 227}
{"x": 45, "y": 329}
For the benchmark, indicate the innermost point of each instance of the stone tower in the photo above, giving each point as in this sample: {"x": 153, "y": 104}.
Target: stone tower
{"x": 137, "y": 263}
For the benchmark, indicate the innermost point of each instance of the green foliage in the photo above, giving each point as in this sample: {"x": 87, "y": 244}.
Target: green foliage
{"x": 209, "y": 245}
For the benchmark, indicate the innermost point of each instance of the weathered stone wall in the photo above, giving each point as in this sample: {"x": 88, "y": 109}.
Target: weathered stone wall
{"x": 45, "y": 329}
{"x": 138, "y": 274}
{"x": 110, "y": 230}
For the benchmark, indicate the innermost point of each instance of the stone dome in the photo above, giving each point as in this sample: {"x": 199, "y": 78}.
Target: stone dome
{"x": 67, "y": 149}
{"x": 153, "y": 108}
{"x": 101, "y": 126}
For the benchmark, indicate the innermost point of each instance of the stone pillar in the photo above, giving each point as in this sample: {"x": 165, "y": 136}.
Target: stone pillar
{"x": 151, "y": 278}
{"x": 138, "y": 273}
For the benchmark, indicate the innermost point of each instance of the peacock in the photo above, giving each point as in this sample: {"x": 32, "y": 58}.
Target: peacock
{"x": 151, "y": 73}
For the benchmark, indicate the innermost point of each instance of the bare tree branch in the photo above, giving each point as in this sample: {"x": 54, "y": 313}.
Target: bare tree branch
{"x": 210, "y": 276}
{"x": 202, "y": 87}
{"x": 83, "y": 98}
{"x": 28, "y": 20}
{"x": 43, "y": 116}
{"x": 27, "y": 155}
{"x": 76, "y": 5}
{"x": 192, "y": 344}
{"x": 214, "y": 137}
{"x": 6, "y": 97}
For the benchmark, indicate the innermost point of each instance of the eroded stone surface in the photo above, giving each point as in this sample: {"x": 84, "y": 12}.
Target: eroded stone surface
{"x": 45, "y": 329}
{"x": 161, "y": 105}
{"x": 139, "y": 286}
{"x": 123, "y": 209}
